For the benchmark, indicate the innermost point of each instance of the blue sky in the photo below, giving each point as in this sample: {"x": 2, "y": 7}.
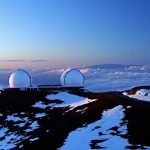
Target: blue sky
{"x": 75, "y": 32}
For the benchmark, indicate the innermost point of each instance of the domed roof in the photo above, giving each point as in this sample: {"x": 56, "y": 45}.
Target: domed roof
{"x": 19, "y": 79}
{"x": 72, "y": 77}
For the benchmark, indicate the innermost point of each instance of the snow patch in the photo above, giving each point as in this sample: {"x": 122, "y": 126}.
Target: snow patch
{"x": 83, "y": 102}
{"x": 40, "y": 104}
{"x": 10, "y": 139}
{"x": 82, "y": 137}
{"x": 34, "y": 139}
{"x": 40, "y": 115}
{"x": 69, "y": 100}
{"x": 64, "y": 96}
{"x": 142, "y": 94}
{"x": 3, "y": 131}
{"x": 33, "y": 127}
{"x": 82, "y": 109}
{"x": 13, "y": 118}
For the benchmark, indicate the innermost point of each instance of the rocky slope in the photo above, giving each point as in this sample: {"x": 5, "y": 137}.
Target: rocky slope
{"x": 72, "y": 118}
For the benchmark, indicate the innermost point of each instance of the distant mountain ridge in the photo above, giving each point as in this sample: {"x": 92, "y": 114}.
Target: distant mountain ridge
{"x": 108, "y": 66}
{"x": 114, "y": 66}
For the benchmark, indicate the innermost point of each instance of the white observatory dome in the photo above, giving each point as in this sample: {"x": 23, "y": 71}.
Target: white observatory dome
{"x": 20, "y": 79}
{"x": 72, "y": 77}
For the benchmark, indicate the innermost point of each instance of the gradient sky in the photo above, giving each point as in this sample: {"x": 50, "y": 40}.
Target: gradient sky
{"x": 74, "y": 32}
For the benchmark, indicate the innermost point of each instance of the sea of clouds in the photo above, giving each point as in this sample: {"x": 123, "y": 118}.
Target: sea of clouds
{"x": 97, "y": 78}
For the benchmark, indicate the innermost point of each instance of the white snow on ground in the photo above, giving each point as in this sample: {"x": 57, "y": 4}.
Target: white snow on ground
{"x": 70, "y": 100}
{"x": 82, "y": 109}
{"x": 82, "y": 137}
{"x": 76, "y": 104}
{"x": 40, "y": 104}
{"x": 34, "y": 139}
{"x": 83, "y": 102}
{"x": 3, "y": 131}
{"x": 142, "y": 94}
{"x": 65, "y": 96}
{"x": 32, "y": 127}
{"x": 40, "y": 115}
{"x": 32, "y": 124}
{"x": 9, "y": 140}
{"x": 13, "y": 118}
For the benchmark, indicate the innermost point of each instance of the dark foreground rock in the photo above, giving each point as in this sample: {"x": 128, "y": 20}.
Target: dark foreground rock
{"x": 29, "y": 120}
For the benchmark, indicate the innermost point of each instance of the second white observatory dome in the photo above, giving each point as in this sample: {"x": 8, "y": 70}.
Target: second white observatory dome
{"x": 72, "y": 77}
{"x": 20, "y": 79}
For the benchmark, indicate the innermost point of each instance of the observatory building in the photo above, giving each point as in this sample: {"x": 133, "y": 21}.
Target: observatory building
{"x": 72, "y": 77}
{"x": 20, "y": 79}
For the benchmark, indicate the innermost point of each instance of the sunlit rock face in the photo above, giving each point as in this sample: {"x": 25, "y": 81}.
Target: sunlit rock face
{"x": 72, "y": 77}
{"x": 19, "y": 79}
